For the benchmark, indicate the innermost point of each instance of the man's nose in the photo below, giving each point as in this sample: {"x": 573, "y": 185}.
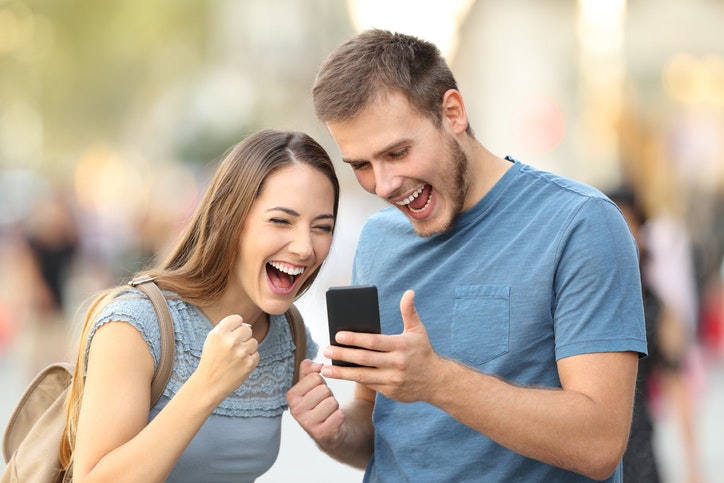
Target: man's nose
{"x": 386, "y": 181}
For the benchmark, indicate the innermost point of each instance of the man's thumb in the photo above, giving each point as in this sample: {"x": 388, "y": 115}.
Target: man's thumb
{"x": 410, "y": 319}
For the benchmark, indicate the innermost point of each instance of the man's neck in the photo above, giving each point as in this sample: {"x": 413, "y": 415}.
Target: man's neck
{"x": 486, "y": 169}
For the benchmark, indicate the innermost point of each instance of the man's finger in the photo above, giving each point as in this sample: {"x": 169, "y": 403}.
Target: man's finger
{"x": 410, "y": 318}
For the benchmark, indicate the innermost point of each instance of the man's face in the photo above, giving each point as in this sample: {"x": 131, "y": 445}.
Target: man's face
{"x": 399, "y": 155}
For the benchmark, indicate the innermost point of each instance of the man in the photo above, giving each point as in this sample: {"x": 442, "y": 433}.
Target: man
{"x": 510, "y": 298}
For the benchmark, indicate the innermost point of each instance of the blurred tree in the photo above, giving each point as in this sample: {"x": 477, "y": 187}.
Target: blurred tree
{"x": 88, "y": 67}
{"x": 175, "y": 79}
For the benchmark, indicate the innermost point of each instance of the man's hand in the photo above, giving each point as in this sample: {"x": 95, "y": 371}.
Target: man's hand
{"x": 401, "y": 367}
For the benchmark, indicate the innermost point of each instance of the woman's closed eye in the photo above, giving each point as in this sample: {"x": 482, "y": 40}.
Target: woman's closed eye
{"x": 324, "y": 228}
{"x": 279, "y": 221}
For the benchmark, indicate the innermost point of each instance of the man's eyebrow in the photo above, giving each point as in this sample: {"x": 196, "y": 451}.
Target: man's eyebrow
{"x": 381, "y": 152}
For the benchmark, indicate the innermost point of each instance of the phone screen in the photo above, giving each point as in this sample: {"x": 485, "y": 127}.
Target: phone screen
{"x": 353, "y": 308}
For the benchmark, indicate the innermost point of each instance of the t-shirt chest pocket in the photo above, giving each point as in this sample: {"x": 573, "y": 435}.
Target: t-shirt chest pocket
{"x": 481, "y": 323}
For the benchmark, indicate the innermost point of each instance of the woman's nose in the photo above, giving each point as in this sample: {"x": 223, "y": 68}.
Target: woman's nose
{"x": 301, "y": 244}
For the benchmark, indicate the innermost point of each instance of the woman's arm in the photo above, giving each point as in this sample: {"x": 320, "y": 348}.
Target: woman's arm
{"x": 114, "y": 437}
{"x": 346, "y": 434}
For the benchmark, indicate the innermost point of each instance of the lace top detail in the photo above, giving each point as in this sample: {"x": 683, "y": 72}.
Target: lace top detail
{"x": 261, "y": 395}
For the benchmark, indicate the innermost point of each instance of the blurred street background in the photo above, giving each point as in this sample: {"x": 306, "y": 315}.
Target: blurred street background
{"x": 113, "y": 113}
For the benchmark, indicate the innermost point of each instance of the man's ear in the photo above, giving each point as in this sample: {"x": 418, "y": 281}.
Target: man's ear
{"x": 454, "y": 115}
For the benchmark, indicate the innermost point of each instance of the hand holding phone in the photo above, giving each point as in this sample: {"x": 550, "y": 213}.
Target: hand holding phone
{"x": 352, "y": 308}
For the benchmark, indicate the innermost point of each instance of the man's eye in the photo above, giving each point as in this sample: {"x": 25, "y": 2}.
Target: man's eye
{"x": 360, "y": 165}
{"x": 399, "y": 154}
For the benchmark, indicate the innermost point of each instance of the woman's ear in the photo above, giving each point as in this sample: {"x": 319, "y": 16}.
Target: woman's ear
{"x": 453, "y": 111}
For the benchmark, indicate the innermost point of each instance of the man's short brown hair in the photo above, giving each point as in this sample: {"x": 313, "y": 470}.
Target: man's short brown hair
{"x": 375, "y": 63}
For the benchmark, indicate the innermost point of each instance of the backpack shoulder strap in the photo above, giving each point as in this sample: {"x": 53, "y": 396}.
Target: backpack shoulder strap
{"x": 299, "y": 336}
{"x": 165, "y": 322}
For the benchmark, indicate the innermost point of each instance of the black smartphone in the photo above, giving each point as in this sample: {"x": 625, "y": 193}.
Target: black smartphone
{"x": 354, "y": 308}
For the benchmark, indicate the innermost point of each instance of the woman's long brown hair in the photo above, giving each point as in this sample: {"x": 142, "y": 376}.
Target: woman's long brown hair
{"x": 199, "y": 266}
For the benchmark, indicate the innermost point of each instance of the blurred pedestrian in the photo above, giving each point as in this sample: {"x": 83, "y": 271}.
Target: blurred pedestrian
{"x": 664, "y": 369}
{"x": 45, "y": 251}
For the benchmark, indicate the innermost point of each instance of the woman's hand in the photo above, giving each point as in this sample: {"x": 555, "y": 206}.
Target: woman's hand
{"x": 313, "y": 405}
{"x": 228, "y": 357}
{"x": 346, "y": 435}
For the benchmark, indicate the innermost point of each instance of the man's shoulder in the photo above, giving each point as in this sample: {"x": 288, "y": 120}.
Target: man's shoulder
{"x": 560, "y": 184}
{"x": 561, "y": 202}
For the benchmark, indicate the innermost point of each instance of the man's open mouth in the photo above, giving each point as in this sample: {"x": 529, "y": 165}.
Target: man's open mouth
{"x": 419, "y": 200}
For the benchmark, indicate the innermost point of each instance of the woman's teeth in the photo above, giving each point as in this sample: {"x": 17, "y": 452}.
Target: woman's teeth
{"x": 290, "y": 270}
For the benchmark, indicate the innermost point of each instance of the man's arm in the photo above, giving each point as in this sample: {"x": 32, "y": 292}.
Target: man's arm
{"x": 582, "y": 427}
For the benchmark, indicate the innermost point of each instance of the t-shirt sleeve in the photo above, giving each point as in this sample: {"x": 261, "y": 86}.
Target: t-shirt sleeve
{"x": 598, "y": 305}
{"x": 134, "y": 308}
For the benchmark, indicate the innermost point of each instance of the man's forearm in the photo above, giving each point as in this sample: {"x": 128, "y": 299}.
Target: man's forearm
{"x": 570, "y": 429}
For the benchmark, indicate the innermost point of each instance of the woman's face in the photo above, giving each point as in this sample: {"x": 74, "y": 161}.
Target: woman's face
{"x": 286, "y": 236}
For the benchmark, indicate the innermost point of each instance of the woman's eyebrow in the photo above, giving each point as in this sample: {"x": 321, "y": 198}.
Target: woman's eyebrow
{"x": 292, "y": 212}
{"x": 288, "y": 211}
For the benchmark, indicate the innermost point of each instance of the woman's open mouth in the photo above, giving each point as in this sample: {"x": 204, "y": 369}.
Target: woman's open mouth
{"x": 283, "y": 277}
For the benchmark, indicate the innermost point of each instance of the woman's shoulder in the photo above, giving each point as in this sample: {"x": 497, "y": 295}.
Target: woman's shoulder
{"x": 133, "y": 307}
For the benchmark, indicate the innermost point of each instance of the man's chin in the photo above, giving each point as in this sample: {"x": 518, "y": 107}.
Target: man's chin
{"x": 433, "y": 224}
{"x": 429, "y": 227}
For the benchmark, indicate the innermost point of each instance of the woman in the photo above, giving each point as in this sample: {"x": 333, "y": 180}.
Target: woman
{"x": 255, "y": 243}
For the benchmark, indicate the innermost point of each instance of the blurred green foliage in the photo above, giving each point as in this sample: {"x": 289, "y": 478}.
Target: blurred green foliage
{"x": 86, "y": 66}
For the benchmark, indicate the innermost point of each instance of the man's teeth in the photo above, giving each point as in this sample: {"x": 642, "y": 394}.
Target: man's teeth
{"x": 409, "y": 199}
{"x": 287, "y": 269}
{"x": 421, "y": 209}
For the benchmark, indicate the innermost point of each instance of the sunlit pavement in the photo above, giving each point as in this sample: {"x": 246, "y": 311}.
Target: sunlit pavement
{"x": 321, "y": 468}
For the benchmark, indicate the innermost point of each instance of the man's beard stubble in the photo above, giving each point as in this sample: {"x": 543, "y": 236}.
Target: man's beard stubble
{"x": 456, "y": 186}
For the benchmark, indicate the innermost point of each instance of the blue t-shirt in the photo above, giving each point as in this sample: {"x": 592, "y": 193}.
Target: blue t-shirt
{"x": 240, "y": 440}
{"x": 540, "y": 269}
